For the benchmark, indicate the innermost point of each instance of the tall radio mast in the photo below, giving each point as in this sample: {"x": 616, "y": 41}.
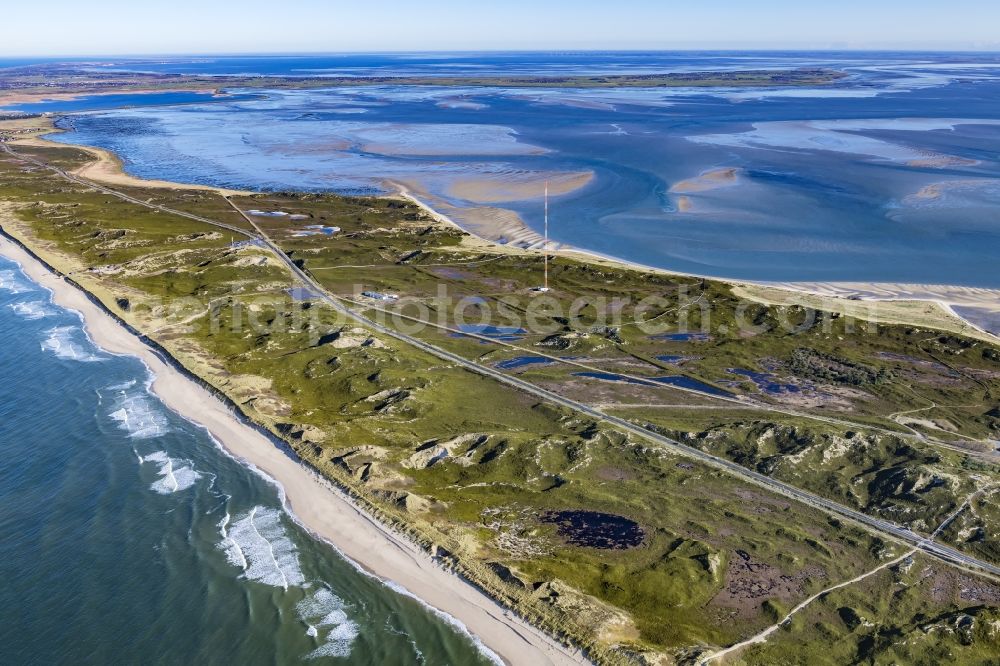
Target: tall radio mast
{"x": 545, "y": 247}
{"x": 545, "y": 244}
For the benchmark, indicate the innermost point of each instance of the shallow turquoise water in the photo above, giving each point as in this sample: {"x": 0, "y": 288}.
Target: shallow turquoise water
{"x": 128, "y": 536}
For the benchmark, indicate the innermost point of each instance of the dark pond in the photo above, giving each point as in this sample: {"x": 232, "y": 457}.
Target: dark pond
{"x": 593, "y": 529}
{"x": 521, "y": 361}
{"x": 674, "y": 380}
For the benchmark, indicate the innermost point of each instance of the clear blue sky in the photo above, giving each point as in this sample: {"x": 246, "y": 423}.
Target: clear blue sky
{"x": 81, "y": 27}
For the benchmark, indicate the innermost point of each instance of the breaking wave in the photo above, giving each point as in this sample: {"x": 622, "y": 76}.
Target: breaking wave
{"x": 328, "y": 622}
{"x": 31, "y": 310}
{"x": 256, "y": 542}
{"x": 175, "y": 474}
{"x": 61, "y": 342}
{"x": 12, "y": 282}
{"x": 138, "y": 415}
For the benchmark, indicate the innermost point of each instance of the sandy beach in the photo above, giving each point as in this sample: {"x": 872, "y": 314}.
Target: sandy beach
{"x": 332, "y": 516}
{"x": 10, "y": 98}
{"x": 496, "y": 227}
{"x": 321, "y": 508}
{"x": 977, "y": 307}
{"x": 969, "y": 311}
{"x": 108, "y": 169}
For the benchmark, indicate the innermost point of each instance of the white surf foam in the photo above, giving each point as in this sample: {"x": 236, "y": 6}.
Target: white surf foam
{"x": 324, "y": 611}
{"x": 451, "y": 620}
{"x": 175, "y": 474}
{"x": 138, "y": 415}
{"x": 13, "y": 282}
{"x": 238, "y": 545}
{"x": 234, "y": 554}
{"x": 31, "y": 310}
{"x": 257, "y": 543}
{"x": 60, "y": 341}
{"x": 123, "y": 386}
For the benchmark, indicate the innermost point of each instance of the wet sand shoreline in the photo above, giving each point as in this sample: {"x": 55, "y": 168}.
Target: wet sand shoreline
{"x": 316, "y": 503}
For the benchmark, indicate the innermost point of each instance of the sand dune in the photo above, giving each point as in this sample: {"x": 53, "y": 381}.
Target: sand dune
{"x": 323, "y": 509}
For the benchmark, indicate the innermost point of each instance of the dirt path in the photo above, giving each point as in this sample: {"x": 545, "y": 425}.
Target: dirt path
{"x": 762, "y": 636}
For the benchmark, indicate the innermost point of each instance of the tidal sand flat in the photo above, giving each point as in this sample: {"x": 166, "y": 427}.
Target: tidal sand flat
{"x": 847, "y": 182}
{"x": 177, "y": 542}
{"x": 516, "y": 186}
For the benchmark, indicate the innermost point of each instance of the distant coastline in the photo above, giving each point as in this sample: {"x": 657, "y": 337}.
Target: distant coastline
{"x": 64, "y": 85}
{"x": 945, "y": 307}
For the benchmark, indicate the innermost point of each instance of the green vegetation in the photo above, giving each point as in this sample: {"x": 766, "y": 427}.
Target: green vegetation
{"x": 470, "y": 467}
{"x": 811, "y": 364}
{"x": 66, "y": 79}
{"x": 918, "y": 612}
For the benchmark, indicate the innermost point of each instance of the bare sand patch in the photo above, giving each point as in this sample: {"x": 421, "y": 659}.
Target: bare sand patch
{"x": 938, "y": 161}
{"x": 709, "y": 180}
{"x": 491, "y": 227}
{"x": 930, "y": 306}
{"x": 488, "y": 190}
{"x": 935, "y": 191}
{"x": 108, "y": 169}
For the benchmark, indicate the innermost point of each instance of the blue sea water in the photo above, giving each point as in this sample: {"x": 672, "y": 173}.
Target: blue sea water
{"x": 128, "y": 537}
{"x": 890, "y": 175}
{"x": 503, "y": 62}
{"x": 119, "y": 101}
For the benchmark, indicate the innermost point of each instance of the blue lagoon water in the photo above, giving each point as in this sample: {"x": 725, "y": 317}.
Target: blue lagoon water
{"x": 128, "y": 536}
{"x": 891, "y": 174}
{"x": 115, "y": 101}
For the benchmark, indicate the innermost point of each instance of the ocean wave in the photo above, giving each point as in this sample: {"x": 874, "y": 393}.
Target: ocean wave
{"x": 257, "y": 543}
{"x": 12, "y": 281}
{"x": 137, "y": 415}
{"x": 60, "y": 341}
{"x": 31, "y": 310}
{"x": 324, "y": 612}
{"x": 175, "y": 474}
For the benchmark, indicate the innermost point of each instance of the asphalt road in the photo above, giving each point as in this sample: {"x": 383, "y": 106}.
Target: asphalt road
{"x": 882, "y": 527}
{"x": 878, "y": 526}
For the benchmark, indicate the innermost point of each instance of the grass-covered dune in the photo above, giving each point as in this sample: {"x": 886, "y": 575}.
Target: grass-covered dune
{"x": 632, "y": 551}
{"x": 43, "y": 81}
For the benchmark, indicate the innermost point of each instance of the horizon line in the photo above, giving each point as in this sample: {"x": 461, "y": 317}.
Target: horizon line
{"x": 993, "y": 49}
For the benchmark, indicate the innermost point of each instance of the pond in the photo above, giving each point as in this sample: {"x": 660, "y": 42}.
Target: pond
{"x": 593, "y": 529}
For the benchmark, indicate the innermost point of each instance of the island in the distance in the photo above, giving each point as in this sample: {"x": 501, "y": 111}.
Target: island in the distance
{"x": 45, "y": 81}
